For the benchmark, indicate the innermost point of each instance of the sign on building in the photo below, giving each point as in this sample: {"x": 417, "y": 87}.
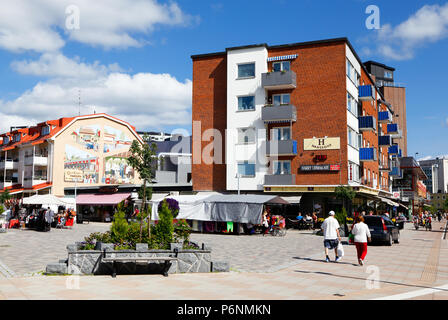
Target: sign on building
{"x": 321, "y": 144}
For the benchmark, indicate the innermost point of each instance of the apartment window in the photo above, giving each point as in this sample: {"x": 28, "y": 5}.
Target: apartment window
{"x": 281, "y": 66}
{"x": 246, "y": 103}
{"x": 352, "y": 105}
{"x": 354, "y": 139}
{"x": 246, "y": 70}
{"x": 353, "y": 172}
{"x": 280, "y": 99}
{"x": 6, "y": 140}
{"x": 282, "y": 167}
{"x": 246, "y": 169}
{"x": 281, "y": 133}
{"x": 352, "y": 73}
{"x": 246, "y": 135}
{"x": 45, "y": 130}
{"x": 17, "y": 137}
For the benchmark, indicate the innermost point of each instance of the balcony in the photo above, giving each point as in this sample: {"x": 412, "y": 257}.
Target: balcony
{"x": 279, "y": 80}
{"x": 396, "y": 173}
{"x": 282, "y": 113}
{"x": 367, "y": 154}
{"x": 394, "y": 131}
{"x": 30, "y": 182}
{"x": 9, "y": 164}
{"x": 384, "y": 141}
{"x": 281, "y": 148}
{"x": 385, "y": 117}
{"x": 394, "y": 150}
{"x": 366, "y": 93}
{"x": 367, "y": 123}
{"x": 279, "y": 180}
{"x": 37, "y": 160}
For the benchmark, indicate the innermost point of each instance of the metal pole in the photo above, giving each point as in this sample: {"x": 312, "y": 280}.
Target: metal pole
{"x": 238, "y": 176}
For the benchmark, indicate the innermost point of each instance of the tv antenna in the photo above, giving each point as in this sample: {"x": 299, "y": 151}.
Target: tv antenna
{"x": 79, "y": 102}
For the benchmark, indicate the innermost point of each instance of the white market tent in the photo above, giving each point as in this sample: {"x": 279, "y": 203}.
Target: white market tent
{"x": 48, "y": 200}
{"x": 221, "y": 207}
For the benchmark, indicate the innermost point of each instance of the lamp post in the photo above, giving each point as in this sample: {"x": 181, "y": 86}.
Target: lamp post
{"x": 238, "y": 177}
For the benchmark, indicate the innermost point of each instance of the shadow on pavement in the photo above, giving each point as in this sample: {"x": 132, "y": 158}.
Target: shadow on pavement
{"x": 365, "y": 279}
{"x": 323, "y": 261}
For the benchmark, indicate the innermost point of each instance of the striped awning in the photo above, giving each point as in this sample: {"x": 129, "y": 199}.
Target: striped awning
{"x": 288, "y": 57}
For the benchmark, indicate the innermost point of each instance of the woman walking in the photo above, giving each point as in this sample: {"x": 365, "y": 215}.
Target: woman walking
{"x": 362, "y": 236}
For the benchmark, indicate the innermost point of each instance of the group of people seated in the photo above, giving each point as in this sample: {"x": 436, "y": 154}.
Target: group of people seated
{"x": 309, "y": 220}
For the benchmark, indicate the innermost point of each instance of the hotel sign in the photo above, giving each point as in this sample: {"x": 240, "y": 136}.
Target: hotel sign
{"x": 73, "y": 175}
{"x": 317, "y": 144}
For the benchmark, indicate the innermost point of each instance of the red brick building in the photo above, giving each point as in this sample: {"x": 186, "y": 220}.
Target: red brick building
{"x": 297, "y": 119}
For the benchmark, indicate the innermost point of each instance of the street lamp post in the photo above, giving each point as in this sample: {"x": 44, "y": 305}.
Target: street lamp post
{"x": 238, "y": 177}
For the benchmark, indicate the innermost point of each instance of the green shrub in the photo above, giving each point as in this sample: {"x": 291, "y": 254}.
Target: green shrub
{"x": 120, "y": 226}
{"x": 182, "y": 231}
{"x": 162, "y": 232}
{"x": 341, "y": 216}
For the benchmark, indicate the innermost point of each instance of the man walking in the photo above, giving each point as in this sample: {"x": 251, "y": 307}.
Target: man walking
{"x": 330, "y": 227}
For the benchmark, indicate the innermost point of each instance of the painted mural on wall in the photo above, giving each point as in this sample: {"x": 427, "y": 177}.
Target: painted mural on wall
{"x": 88, "y": 137}
{"x": 117, "y": 170}
{"x": 97, "y": 155}
{"x": 80, "y": 166}
{"x": 115, "y": 139}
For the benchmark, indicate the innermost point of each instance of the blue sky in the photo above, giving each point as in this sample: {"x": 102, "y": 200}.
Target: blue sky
{"x": 145, "y": 53}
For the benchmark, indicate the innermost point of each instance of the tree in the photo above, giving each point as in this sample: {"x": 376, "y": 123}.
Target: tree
{"x": 163, "y": 231}
{"x": 5, "y": 196}
{"x": 346, "y": 194}
{"x": 445, "y": 205}
{"x": 143, "y": 160}
{"x": 120, "y": 226}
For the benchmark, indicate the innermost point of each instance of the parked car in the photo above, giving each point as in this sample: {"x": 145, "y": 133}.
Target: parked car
{"x": 383, "y": 230}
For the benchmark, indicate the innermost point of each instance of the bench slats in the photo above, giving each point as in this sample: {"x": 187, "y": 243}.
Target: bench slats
{"x": 137, "y": 259}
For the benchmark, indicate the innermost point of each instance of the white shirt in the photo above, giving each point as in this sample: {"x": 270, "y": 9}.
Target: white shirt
{"x": 361, "y": 232}
{"x": 329, "y": 226}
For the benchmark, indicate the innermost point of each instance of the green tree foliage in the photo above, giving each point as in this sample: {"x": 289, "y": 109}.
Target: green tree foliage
{"x": 445, "y": 204}
{"x": 341, "y": 216}
{"x": 163, "y": 231}
{"x": 143, "y": 160}
{"x": 182, "y": 231}
{"x": 120, "y": 226}
{"x": 4, "y": 196}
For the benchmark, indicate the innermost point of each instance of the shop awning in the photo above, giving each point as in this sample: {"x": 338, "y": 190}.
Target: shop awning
{"x": 101, "y": 199}
{"x": 293, "y": 200}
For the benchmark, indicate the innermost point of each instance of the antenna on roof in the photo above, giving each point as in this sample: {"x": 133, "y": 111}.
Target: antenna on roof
{"x": 79, "y": 102}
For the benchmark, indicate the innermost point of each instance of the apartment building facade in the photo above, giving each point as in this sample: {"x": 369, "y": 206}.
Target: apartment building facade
{"x": 57, "y": 155}
{"x": 437, "y": 172}
{"x": 299, "y": 118}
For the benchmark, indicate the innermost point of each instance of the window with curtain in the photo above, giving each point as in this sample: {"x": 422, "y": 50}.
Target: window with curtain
{"x": 246, "y": 169}
{"x": 352, "y": 105}
{"x": 246, "y": 103}
{"x": 246, "y": 70}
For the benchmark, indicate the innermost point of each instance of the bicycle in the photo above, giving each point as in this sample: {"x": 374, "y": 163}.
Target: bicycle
{"x": 276, "y": 231}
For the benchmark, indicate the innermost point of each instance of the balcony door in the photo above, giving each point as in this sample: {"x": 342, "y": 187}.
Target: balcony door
{"x": 281, "y": 99}
{"x": 281, "y": 167}
{"x": 281, "y": 133}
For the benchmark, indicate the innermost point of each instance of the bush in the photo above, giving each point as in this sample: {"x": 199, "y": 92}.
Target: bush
{"x": 341, "y": 216}
{"x": 162, "y": 232}
{"x": 120, "y": 226}
{"x": 173, "y": 206}
{"x": 182, "y": 231}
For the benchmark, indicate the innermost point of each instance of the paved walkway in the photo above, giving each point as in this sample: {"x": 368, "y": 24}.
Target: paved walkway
{"x": 417, "y": 268}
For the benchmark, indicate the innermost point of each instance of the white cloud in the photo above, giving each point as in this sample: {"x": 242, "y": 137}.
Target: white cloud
{"x": 428, "y": 25}
{"x": 57, "y": 65}
{"x": 41, "y": 25}
{"x": 146, "y": 100}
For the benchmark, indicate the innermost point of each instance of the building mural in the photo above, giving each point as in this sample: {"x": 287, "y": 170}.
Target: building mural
{"x": 87, "y": 136}
{"x": 115, "y": 139}
{"x": 80, "y": 166}
{"x": 117, "y": 170}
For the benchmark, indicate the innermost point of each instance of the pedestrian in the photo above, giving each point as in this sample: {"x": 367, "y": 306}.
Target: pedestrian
{"x": 361, "y": 234}
{"x": 330, "y": 228}
{"x": 370, "y": 213}
{"x": 314, "y": 220}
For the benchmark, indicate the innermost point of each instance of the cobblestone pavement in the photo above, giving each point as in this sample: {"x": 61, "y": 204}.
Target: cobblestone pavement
{"x": 28, "y": 251}
{"x": 417, "y": 268}
{"x": 257, "y": 253}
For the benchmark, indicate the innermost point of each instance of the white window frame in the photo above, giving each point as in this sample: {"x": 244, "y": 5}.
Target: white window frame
{"x": 249, "y": 163}
{"x": 282, "y": 172}
{"x": 352, "y": 104}
{"x": 242, "y": 64}
{"x": 281, "y": 95}
{"x": 44, "y": 129}
{"x": 352, "y": 74}
{"x": 281, "y": 133}
{"x": 238, "y": 103}
{"x": 281, "y": 65}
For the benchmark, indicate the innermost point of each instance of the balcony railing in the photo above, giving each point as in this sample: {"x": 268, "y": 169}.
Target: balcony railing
{"x": 366, "y": 93}
{"x": 38, "y": 160}
{"x": 384, "y": 166}
{"x": 281, "y": 148}
{"x": 367, "y": 154}
{"x": 396, "y": 172}
{"x": 385, "y": 117}
{"x": 273, "y": 113}
{"x": 367, "y": 123}
{"x": 384, "y": 141}
{"x": 394, "y": 150}
{"x": 279, "y": 80}
{"x": 279, "y": 179}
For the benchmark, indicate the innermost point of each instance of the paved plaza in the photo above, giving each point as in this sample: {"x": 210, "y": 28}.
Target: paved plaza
{"x": 270, "y": 268}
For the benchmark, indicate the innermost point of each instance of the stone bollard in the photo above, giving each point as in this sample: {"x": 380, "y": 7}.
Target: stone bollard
{"x": 220, "y": 266}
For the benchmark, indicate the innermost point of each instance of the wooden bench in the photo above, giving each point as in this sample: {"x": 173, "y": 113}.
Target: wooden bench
{"x": 114, "y": 261}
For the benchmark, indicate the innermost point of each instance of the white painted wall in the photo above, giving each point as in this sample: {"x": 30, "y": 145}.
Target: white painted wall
{"x": 352, "y": 120}
{"x": 240, "y": 119}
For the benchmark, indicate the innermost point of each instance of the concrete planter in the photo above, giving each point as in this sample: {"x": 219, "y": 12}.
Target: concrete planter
{"x": 88, "y": 262}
